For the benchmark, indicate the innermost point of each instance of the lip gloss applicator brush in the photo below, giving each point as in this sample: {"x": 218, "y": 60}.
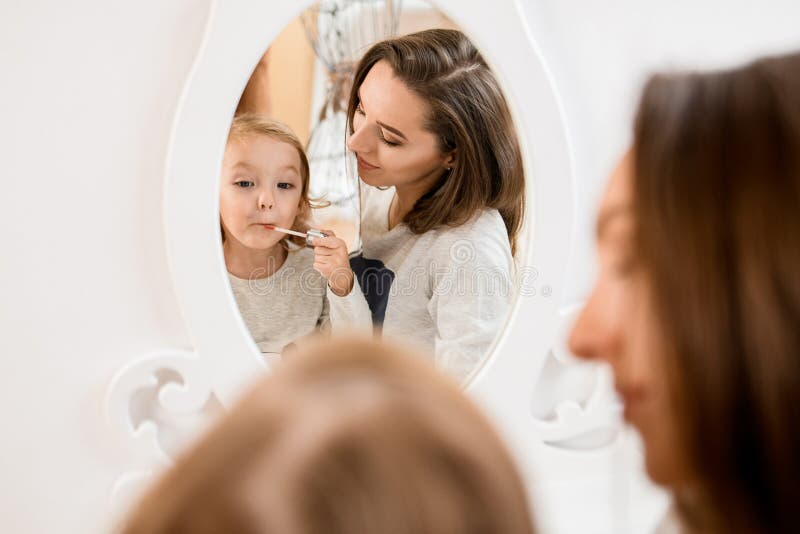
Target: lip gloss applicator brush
{"x": 310, "y": 236}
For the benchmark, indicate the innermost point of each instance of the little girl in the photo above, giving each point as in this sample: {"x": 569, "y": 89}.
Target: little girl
{"x": 265, "y": 178}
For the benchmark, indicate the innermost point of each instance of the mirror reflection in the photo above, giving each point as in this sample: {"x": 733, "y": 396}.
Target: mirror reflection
{"x": 372, "y": 180}
{"x": 264, "y": 186}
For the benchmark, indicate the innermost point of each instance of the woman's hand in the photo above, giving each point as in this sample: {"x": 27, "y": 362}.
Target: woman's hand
{"x": 332, "y": 262}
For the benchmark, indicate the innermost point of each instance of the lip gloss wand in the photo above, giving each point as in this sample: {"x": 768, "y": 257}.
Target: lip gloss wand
{"x": 310, "y": 236}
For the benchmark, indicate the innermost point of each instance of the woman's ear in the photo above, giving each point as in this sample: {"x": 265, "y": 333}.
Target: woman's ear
{"x": 450, "y": 159}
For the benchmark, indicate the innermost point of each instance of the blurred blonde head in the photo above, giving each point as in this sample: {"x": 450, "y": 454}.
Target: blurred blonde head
{"x": 349, "y": 436}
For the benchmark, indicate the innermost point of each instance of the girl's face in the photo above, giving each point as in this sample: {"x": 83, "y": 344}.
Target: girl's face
{"x": 389, "y": 138}
{"x": 261, "y": 184}
{"x": 618, "y": 326}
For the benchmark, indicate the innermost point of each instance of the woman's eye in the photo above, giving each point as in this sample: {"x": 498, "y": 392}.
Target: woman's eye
{"x": 386, "y": 141}
{"x": 244, "y": 183}
{"x": 359, "y": 109}
{"x": 285, "y": 185}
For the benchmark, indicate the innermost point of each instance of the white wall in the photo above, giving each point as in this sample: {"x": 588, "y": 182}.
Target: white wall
{"x": 88, "y": 93}
{"x": 600, "y": 53}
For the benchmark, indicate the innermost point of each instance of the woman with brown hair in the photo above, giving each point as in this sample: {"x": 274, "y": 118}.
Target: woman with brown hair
{"x": 697, "y": 301}
{"x": 443, "y": 195}
{"x": 350, "y": 437}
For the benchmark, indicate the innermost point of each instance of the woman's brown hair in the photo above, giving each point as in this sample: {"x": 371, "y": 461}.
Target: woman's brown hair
{"x": 717, "y": 202}
{"x": 350, "y": 437}
{"x": 468, "y": 113}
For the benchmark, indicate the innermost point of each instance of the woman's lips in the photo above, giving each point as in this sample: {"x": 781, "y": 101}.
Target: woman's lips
{"x": 631, "y": 399}
{"x": 365, "y": 165}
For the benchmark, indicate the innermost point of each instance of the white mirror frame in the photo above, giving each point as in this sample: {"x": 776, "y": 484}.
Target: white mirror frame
{"x": 239, "y": 32}
{"x": 224, "y": 355}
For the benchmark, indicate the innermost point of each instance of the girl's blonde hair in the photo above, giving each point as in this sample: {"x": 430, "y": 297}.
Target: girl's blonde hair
{"x": 350, "y": 436}
{"x": 249, "y": 124}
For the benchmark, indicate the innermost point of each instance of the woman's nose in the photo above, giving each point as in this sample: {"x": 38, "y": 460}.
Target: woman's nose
{"x": 358, "y": 141}
{"x": 589, "y": 335}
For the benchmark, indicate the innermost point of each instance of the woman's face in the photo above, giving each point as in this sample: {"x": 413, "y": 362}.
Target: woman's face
{"x": 389, "y": 138}
{"x": 261, "y": 184}
{"x": 618, "y": 326}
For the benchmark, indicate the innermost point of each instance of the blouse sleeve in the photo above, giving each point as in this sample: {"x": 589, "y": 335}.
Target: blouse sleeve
{"x": 350, "y": 312}
{"x": 471, "y": 296}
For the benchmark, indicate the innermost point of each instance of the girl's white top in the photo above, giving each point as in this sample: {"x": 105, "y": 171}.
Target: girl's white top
{"x": 447, "y": 291}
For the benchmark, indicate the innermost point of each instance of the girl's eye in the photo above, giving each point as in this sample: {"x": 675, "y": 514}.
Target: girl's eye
{"x": 244, "y": 183}
{"x": 285, "y": 185}
{"x": 359, "y": 109}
